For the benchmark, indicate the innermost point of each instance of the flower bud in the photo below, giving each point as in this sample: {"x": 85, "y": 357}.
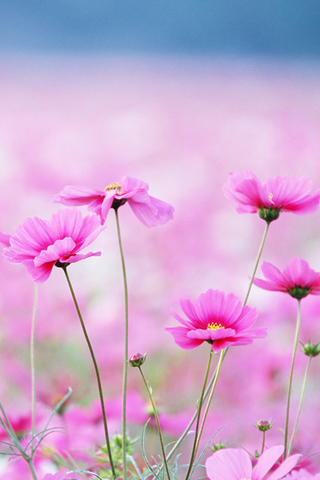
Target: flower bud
{"x": 311, "y": 350}
{"x": 263, "y": 425}
{"x": 220, "y": 446}
{"x": 137, "y": 359}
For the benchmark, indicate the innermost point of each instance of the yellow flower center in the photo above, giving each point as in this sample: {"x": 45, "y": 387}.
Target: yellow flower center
{"x": 270, "y": 196}
{"x": 216, "y": 326}
{"x": 114, "y": 186}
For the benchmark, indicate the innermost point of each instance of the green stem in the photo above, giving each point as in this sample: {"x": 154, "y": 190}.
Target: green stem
{"x": 157, "y": 420}
{"x": 95, "y": 368}
{"x": 32, "y": 364}
{"x": 222, "y": 355}
{"x": 31, "y": 467}
{"x": 126, "y": 353}
{"x": 257, "y": 262}
{"x": 199, "y": 407}
{"x": 300, "y": 404}
{"x": 290, "y": 381}
{"x": 263, "y": 441}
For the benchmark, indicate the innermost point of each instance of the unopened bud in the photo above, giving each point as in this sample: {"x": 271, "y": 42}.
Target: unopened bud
{"x": 311, "y": 350}
{"x": 137, "y": 359}
{"x": 263, "y": 425}
{"x": 220, "y": 446}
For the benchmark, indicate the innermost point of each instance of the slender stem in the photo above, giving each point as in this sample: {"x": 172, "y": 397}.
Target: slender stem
{"x": 263, "y": 441}
{"x": 157, "y": 420}
{"x": 31, "y": 467}
{"x": 300, "y": 404}
{"x": 199, "y": 407}
{"x": 126, "y": 354}
{"x": 222, "y": 355}
{"x": 96, "y": 372}
{"x": 32, "y": 364}
{"x": 290, "y": 381}
{"x": 257, "y": 262}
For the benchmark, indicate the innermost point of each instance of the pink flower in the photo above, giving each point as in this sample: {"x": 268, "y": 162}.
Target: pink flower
{"x": 61, "y": 476}
{"x": 40, "y": 244}
{"x": 279, "y": 194}
{"x": 297, "y": 279}
{"x": 235, "y": 464}
{"x": 215, "y": 318}
{"x": 149, "y": 210}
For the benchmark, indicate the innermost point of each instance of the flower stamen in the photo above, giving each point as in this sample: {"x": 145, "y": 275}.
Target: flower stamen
{"x": 215, "y": 326}
{"x": 114, "y": 186}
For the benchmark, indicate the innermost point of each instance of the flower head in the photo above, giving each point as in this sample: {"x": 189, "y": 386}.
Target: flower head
{"x": 149, "y": 210}
{"x": 235, "y": 464}
{"x": 297, "y": 279}
{"x": 279, "y": 194}
{"x": 40, "y": 244}
{"x": 215, "y": 318}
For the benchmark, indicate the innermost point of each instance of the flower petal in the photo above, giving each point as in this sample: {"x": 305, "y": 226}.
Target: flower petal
{"x": 229, "y": 464}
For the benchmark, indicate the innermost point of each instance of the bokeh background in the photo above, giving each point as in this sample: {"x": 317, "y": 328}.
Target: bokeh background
{"x": 178, "y": 93}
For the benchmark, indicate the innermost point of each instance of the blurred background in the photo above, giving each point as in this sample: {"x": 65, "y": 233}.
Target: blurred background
{"x": 177, "y": 93}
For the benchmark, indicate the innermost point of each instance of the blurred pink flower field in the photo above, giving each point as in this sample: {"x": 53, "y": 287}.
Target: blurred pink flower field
{"x": 180, "y": 125}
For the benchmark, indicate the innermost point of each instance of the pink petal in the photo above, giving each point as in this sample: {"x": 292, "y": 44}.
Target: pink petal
{"x": 41, "y": 273}
{"x": 266, "y": 462}
{"x": 229, "y": 464}
{"x": 75, "y": 195}
{"x": 180, "y": 335}
{"x": 215, "y": 306}
{"x": 285, "y": 467}
{"x": 209, "y": 334}
{"x": 55, "y": 252}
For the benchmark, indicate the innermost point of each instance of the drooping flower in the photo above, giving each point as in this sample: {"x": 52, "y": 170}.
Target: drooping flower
{"x": 279, "y": 194}
{"x": 235, "y": 464}
{"x": 215, "y": 318}
{"x": 149, "y": 210}
{"x": 297, "y": 279}
{"x": 39, "y": 244}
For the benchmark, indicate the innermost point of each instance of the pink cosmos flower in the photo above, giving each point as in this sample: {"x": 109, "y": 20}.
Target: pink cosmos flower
{"x": 215, "y": 318}
{"x": 62, "y": 476}
{"x": 40, "y": 244}
{"x": 235, "y": 464}
{"x": 149, "y": 210}
{"x": 297, "y": 279}
{"x": 279, "y": 194}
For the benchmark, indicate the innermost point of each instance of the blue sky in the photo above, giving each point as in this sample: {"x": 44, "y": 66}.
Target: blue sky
{"x": 223, "y": 27}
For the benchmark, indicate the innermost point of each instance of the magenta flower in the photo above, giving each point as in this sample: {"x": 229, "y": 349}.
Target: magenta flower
{"x": 61, "y": 476}
{"x": 235, "y": 464}
{"x": 215, "y": 318}
{"x": 149, "y": 210}
{"x": 40, "y": 244}
{"x": 279, "y": 194}
{"x": 297, "y": 279}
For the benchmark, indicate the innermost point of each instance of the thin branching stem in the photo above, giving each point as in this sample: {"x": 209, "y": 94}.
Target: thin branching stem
{"x": 126, "y": 352}
{"x": 96, "y": 369}
{"x": 199, "y": 407}
{"x": 222, "y": 355}
{"x": 157, "y": 420}
{"x": 303, "y": 389}
{"x": 32, "y": 365}
{"x": 290, "y": 381}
